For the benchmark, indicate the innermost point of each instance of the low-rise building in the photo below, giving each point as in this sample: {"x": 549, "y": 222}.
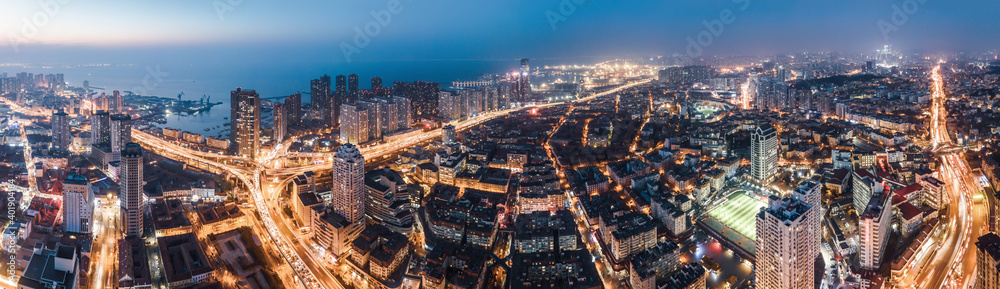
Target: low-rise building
{"x": 184, "y": 261}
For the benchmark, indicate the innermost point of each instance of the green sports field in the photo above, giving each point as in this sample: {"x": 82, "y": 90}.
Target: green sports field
{"x": 739, "y": 213}
{"x": 735, "y": 220}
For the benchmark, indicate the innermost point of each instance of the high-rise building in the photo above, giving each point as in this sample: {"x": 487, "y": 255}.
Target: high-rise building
{"x": 280, "y": 121}
{"x": 117, "y": 104}
{"x": 764, "y": 154}
{"x": 810, "y": 191}
{"x": 988, "y": 262}
{"x": 61, "y": 137}
{"x": 374, "y": 118}
{"x": 685, "y": 74}
{"x": 341, "y": 86}
{"x": 873, "y": 231}
{"x": 525, "y": 78}
{"x": 78, "y": 204}
{"x": 376, "y": 83}
{"x": 354, "y": 123}
{"x": 322, "y": 101}
{"x": 784, "y": 258}
{"x": 403, "y": 104}
{"x": 446, "y": 105}
{"x": 353, "y": 93}
{"x": 293, "y": 108}
{"x": 246, "y": 122}
{"x": 338, "y": 97}
{"x": 388, "y": 201}
{"x": 448, "y": 135}
{"x": 100, "y": 128}
{"x": 349, "y": 184}
{"x": 864, "y": 186}
{"x": 130, "y": 189}
{"x": 121, "y": 134}
{"x": 388, "y": 114}
{"x": 423, "y": 98}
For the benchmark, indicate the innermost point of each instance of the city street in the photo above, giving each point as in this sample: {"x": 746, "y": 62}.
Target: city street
{"x": 955, "y": 266}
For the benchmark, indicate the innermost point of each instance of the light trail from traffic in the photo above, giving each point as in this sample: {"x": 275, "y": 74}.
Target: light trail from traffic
{"x": 946, "y": 268}
{"x": 251, "y": 171}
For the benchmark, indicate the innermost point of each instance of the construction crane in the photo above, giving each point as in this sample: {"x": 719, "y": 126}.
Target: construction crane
{"x": 179, "y": 96}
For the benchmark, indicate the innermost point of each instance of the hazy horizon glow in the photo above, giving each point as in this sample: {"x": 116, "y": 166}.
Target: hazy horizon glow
{"x": 484, "y": 30}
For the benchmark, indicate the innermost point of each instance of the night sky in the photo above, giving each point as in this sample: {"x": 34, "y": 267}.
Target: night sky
{"x": 88, "y": 31}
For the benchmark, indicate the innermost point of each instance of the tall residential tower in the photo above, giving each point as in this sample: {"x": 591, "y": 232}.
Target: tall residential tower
{"x": 764, "y": 154}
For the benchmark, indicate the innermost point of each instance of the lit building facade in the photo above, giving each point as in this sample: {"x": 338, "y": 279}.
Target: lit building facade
{"x": 246, "y": 122}
{"x": 764, "y": 154}
{"x": 78, "y": 204}
{"x": 130, "y": 189}
{"x": 784, "y": 258}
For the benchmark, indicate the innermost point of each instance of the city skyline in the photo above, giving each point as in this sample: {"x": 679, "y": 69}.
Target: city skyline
{"x": 195, "y": 32}
{"x": 500, "y": 145}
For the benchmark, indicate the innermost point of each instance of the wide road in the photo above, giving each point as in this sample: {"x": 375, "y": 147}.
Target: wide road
{"x": 949, "y": 261}
{"x": 104, "y": 251}
{"x": 307, "y": 267}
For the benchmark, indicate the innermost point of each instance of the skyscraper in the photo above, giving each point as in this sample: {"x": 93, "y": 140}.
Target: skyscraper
{"x": 280, "y": 121}
{"x": 293, "y": 108}
{"x": 864, "y": 187}
{"x": 376, "y": 83}
{"x": 100, "y": 128}
{"x": 764, "y": 154}
{"x": 784, "y": 259}
{"x": 525, "y": 78}
{"x": 117, "y": 104}
{"x": 446, "y": 105}
{"x": 349, "y": 184}
{"x": 354, "y": 123}
{"x": 352, "y": 87}
{"x": 423, "y": 98}
{"x": 988, "y": 262}
{"x": 448, "y": 135}
{"x": 130, "y": 189}
{"x": 338, "y": 97}
{"x": 873, "y": 231}
{"x": 61, "y": 137}
{"x": 388, "y": 114}
{"x": 246, "y": 122}
{"x": 78, "y": 204}
{"x": 374, "y": 118}
{"x": 322, "y": 101}
{"x": 403, "y": 104}
{"x": 121, "y": 134}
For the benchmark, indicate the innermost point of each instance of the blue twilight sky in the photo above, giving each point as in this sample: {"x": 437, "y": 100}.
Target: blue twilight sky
{"x": 75, "y": 31}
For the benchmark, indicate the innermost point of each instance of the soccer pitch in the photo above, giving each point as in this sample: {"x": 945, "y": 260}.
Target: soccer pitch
{"x": 739, "y": 213}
